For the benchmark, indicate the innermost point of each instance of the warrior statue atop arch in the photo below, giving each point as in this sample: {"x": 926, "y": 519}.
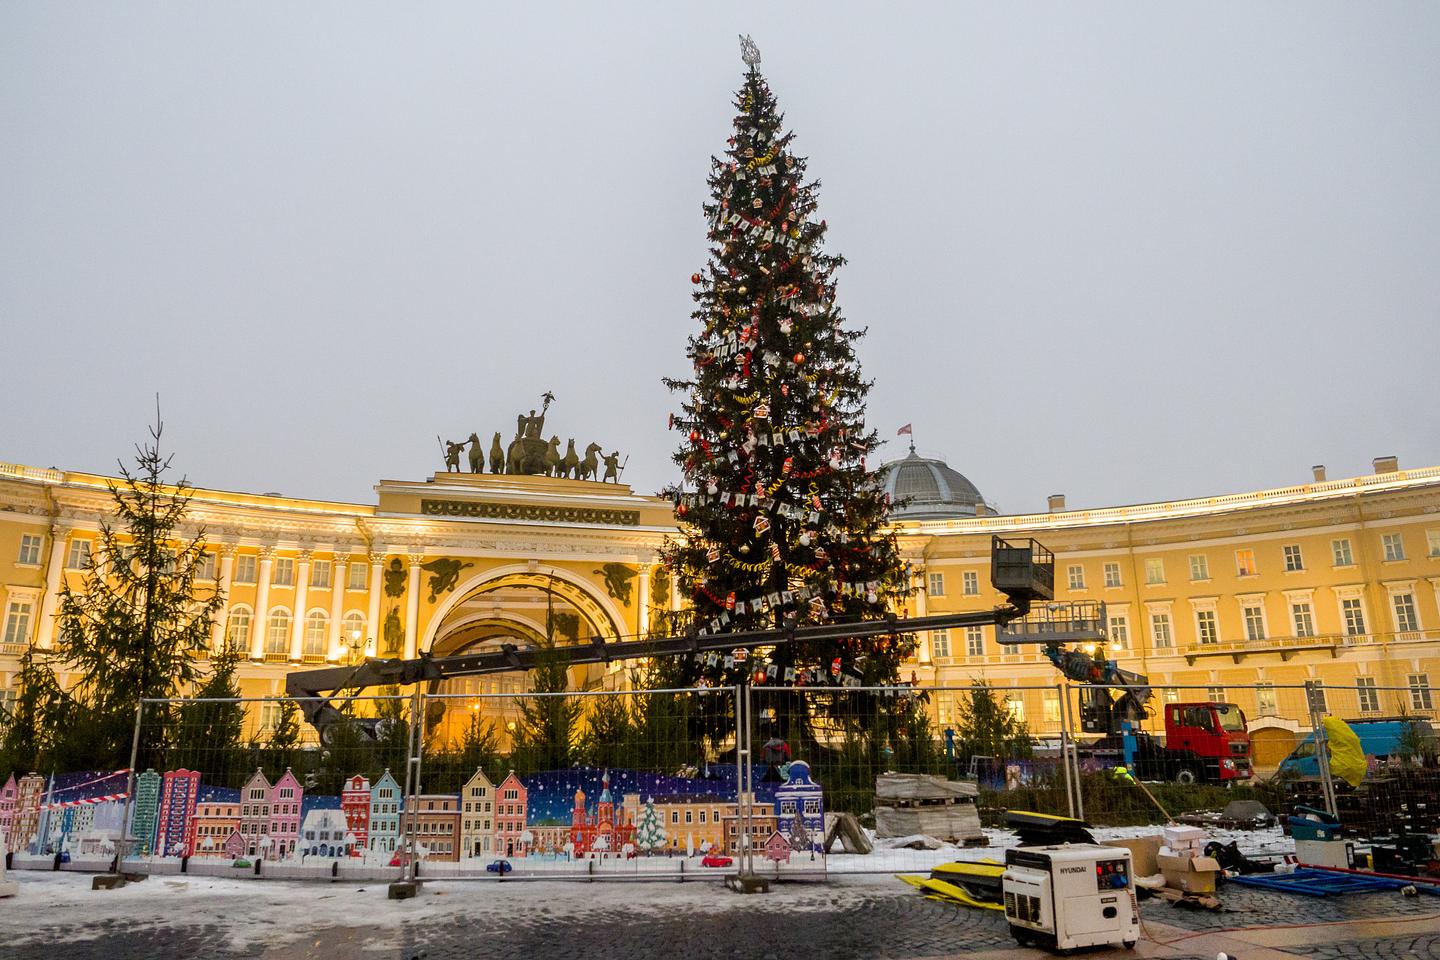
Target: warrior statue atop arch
{"x": 531, "y": 454}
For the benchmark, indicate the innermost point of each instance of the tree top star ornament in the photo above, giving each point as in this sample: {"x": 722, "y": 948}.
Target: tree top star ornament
{"x": 748, "y": 51}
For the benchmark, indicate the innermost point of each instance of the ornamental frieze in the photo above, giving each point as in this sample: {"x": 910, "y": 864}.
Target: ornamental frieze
{"x": 530, "y": 511}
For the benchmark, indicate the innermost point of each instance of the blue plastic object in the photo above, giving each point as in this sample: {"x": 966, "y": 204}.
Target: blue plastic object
{"x": 1312, "y": 824}
{"x": 1310, "y": 882}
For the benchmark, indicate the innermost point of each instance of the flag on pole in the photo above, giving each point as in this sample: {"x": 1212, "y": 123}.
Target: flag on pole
{"x": 903, "y": 431}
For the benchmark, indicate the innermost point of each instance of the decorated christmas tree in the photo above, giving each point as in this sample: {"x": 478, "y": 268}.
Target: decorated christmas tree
{"x": 649, "y": 831}
{"x": 782, "y": 522}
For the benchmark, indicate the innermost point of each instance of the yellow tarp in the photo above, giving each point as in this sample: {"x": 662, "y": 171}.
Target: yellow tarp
{"x": 1347, "y": 757}
{"x": 946, "y": 892}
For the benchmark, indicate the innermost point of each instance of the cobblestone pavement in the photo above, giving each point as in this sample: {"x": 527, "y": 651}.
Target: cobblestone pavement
{"x": 1250, "y": 907}
{"x": 1390, "y": 948}
{"x": 843, "y": 922}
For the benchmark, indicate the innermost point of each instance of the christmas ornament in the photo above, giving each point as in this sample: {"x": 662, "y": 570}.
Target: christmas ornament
{"x": 799, "y": 358}
{"x": 695, "y": 278}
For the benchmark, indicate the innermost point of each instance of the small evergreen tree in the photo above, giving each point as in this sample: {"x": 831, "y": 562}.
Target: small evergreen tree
{"x": 28, "y": 731}
{"x": 609, "y": 739}
{"x": 209, "y": 728}
{"x": 135, "y": 627}
{"x": 985, "y": 727}
{"x": 480, "y": 748}
{"x": 284, "y": 741}
{"x": 548, "y": 729}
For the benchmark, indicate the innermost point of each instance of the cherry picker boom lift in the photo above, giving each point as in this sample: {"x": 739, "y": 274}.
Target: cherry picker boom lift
{"x": 1023, "y": 570}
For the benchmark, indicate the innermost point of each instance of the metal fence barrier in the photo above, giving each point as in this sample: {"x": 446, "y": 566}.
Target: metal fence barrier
{"x": 703, "y": 783}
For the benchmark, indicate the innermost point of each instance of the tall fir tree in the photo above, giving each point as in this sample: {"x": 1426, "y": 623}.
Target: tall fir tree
{"x": 781, "y": 519}
{"x": 135, "y": 627}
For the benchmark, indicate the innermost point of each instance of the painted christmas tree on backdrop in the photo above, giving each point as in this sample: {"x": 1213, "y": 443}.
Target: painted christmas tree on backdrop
{"x": 781, "y": 520}
{"x": 649, "y": 831}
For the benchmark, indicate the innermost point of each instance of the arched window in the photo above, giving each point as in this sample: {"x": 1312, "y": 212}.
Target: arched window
{"x": 277, "y": 634}
{"x": 237, "y": 630}
{"x": 317, "y": 626}
{"x": 352, "y": 628}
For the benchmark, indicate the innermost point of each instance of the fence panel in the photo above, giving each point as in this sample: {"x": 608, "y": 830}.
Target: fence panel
{"x": 1395, "y": 789}
{"x": 1150, "y": 753}
{"x": 627, "y": 783}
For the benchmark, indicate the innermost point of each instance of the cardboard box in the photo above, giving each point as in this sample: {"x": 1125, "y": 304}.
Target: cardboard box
{"x": 1143, "y": 851}
{"x": 1189, "y": 873}
{"x": 1184, "y": 838}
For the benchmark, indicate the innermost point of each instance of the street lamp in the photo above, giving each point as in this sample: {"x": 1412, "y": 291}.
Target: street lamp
{"x": 357, "y": 646}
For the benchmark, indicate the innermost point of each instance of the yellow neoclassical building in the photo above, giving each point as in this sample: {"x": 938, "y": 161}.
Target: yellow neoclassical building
{"x": 1329, "y": 580}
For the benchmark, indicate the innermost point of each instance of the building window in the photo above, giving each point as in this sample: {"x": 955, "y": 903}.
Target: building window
{"x": 17, "y": 622}
{"x": 937, "y": 585}
{"x": 269, "y": 720}
{"x": 245, "y": 568}
{"x": 1340, "y": 552}
{"x": 277, "y": 632}
{"x": 1293, "y": 559}
{"x": 1432, "y": 541}
{"x": 1354, "y": 616}
{"x": 1245, "y": 563}
{"x": 970, "y": 583}
{"x": 1254, "y": 615}
{"x": 1160, "y": 631}
{"x": 1051, "y": 706}
{"x": 1406, "y": 619}
{"x": 1420, "y": 698}
{"x": 79, "y": 555}
{"x": 1015, "y": 703}
{"x": 357, "y": 574}
{"x": 1215, "y": 694}
{"x": 940, "y": 642}
{"x": 205, "y": 567}
{"x": 317, "y": 625}
{"x": 945, "y": 710}
{"x": 1112, "y": 575}
{"x": 1172, "y": 695}
{"x": 284, "y": 573}
{"x": 29, "y": 549}
{"x": 1199, "y": 567}
{"x": 1393, "y": 545}
{"x": 1369, "y": 697}
{"x": 1206, "y": 628}
{"x": 1120, "y": 631}
{"x": 1155, "y": 570}
{"x": 975, "y": 641}
{"x": 1318, "y": 700}
{"x": 1265, "y": 699}
{"x": 1076, "y": 574}
{"x": 1301, "y": 616}
{"x": 320, "y": 575}
{"x": 237, "y": 631}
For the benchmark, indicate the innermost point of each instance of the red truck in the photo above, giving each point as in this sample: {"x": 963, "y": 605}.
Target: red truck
{"x": 1204, "y": 742}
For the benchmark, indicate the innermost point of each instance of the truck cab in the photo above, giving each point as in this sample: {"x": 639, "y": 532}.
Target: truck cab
{"x": 1207, "y": 741}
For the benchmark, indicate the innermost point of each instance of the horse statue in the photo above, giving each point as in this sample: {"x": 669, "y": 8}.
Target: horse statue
{"x": 477, "y": 456}
{"x": 590, "y": 464}
{"x": 570, "y": 464}
{"x": 497, "y": 455}
{"x": 552, "y": 458}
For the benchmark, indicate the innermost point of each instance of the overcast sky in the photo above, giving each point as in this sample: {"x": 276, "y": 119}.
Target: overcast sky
{"x": 1124, "y": 252}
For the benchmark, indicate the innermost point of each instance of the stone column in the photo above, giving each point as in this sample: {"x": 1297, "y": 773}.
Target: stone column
{"x": 643, "y": 593}
{"x": 226, "y": 552}
{"x": 412, "y": 606}
{"x": 262, "y": 603}
{"x": 922, "y": 646}
{"x": 377, "y": 568}
{"x": 54, "y": 574}
{"x": 338, "y": 581}
{"x": 302, "y": 596}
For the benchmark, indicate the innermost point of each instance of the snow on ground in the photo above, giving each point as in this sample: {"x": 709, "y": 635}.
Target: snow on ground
{"x": 61, "y": 907}
{"x": 56, "y": 907}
